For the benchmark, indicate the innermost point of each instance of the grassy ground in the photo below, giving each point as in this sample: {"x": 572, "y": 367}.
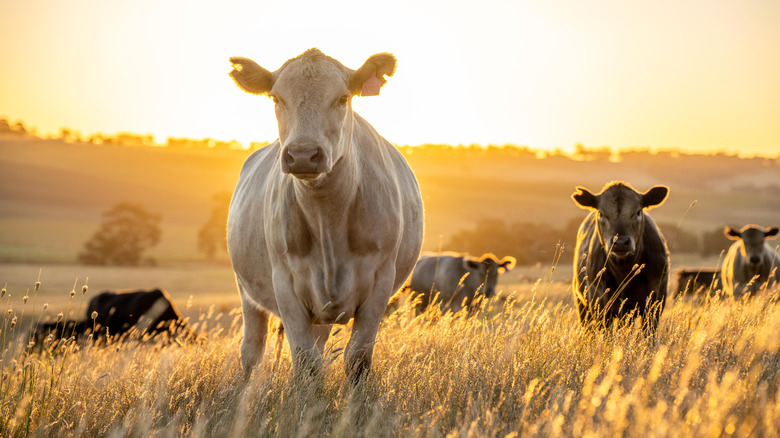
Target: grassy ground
{"x": 523, "y": 366}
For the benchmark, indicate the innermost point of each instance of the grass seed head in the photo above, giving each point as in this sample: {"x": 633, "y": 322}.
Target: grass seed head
{"x": 84, "y": 289}
{"x": 2, "y": 293}
{"x": 94, "y": 314}
{"x": 25, "y": 298}
{"x": 45, "y": 306}
{"x": 37, "y": 285}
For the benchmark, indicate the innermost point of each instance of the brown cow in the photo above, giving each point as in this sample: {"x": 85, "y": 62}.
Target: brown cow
{"x": 621, "y": 262}
{"x": 750, "y": 264}
{"x": 456, "y": 278}
{"x": 326, "y": 223}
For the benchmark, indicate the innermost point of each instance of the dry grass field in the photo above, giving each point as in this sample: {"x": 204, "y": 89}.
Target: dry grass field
{"x": 521, "y": 367}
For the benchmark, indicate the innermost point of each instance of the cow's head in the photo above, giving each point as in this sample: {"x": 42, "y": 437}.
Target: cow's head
{"x": 483, "y": 272}
{"x": 313, "y": 97}
{"x": 620, "y": 214}
{"x": 751, "y": 240}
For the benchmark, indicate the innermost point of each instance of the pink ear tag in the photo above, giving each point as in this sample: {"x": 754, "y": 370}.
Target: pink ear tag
{"x": 371, "y": 86}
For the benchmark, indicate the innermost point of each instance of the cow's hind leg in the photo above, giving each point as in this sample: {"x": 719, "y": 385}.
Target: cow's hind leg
{"x": 255, "y": 332}
{"x": 279, "y": 345}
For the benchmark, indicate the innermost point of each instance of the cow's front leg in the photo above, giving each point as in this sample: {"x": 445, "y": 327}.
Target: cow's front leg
{"x": 360, "y": 348}
{"x": 302, "y": 336}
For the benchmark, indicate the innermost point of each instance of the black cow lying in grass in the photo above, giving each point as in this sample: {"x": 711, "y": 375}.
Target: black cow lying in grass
{"x": 696, "y": 281}
{"x": 118, "y": 315}
{"x": 147, "y": 311}
{"x": 54, "y": 331}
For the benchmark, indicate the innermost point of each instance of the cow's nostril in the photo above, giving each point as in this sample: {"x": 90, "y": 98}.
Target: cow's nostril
{"x": 755, "y": 259}
{"x": 288, "y": 158}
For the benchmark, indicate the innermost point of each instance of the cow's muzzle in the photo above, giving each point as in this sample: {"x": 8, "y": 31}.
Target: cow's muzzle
{"x": 303, "y": 162}
{"x": 622, "y": 246}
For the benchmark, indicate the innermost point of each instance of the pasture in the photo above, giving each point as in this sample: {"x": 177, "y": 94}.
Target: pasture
{"x": 522, "y": 367}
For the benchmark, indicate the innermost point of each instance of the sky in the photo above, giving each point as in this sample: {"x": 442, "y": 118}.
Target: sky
{"x": 699, "y": 75}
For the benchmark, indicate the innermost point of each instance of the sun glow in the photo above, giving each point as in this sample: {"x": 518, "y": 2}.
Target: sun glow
{"x": 543, "y": 74}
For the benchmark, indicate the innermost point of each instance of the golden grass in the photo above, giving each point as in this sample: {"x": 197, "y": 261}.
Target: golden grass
{"x": 519, "y": 367}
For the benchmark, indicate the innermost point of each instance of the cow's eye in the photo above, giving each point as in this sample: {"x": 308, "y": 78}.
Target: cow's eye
{"x": 638, "y": 214}
{"x": 344, "y": 100}
{"x": 275, "y": 99}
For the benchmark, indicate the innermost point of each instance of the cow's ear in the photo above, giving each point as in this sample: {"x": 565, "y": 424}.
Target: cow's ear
{"x": 655, "y": 196}
{"x": 488, "y": 256}
{"x": 771, "y": 232}
{"x": 732, "y": 233}
{"x": 506, "y": 264}
{"x": 369, "y": 78}
{"x": 585, "y": 199}
{"x": 251, "y": 77}
{"x": 470, "y": 263}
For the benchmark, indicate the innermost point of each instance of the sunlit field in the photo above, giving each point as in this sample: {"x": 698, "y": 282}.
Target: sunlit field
{"x": 520, "y": 366}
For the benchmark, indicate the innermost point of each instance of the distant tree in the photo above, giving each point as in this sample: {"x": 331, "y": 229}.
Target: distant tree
{"x": 19, "y": 128}
{"x": 126, "y": 232}
{"x": 5, "y": 127}
{"x": 211, "y": 237}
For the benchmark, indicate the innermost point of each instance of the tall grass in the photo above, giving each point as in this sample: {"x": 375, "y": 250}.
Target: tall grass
{"x": 521, "y": 367}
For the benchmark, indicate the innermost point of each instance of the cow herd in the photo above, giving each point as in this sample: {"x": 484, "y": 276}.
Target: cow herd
{"x": 326, "y": 223}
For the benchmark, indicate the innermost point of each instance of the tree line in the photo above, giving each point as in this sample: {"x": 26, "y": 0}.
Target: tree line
{"x": 128, "y": 230}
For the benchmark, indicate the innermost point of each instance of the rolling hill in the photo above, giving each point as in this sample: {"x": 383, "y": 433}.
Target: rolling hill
{"x": 53, "y": 192}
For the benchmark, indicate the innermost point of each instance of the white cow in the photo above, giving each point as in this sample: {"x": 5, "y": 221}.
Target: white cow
{"x": 751, "y": 264}
{"x": 326, "y": 223}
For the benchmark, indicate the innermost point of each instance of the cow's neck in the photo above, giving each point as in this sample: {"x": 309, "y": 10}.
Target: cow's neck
{"x": 325, "y": 206}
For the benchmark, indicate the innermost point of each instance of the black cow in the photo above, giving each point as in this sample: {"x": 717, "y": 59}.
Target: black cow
{"x": 148, "y": 311}
{"x": 693, "y": 281}
{"x": 54, "y": 331}
{"x": 621, "y": 262}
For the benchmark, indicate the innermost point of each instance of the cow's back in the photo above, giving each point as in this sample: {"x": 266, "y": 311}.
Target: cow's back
{"x": 120, "y": 310}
